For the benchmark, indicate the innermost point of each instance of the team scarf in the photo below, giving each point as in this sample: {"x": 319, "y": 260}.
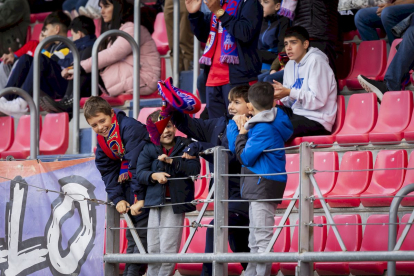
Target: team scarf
{"x": 288, "y": 8}
{"x": 228, "y": 45}
{"x": 114, "y": 149}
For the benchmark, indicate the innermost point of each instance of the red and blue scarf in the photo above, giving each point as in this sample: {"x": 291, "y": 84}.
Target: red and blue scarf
{"x": 228, "y": 45}
{"x": 112, "y": 146}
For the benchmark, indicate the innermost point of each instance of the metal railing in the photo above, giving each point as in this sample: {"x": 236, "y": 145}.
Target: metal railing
{"x": 34, "y": 118}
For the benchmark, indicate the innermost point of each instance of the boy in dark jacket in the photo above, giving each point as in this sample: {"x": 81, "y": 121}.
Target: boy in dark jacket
{"x": 155, "y": 164}
{"x": 211, "y": 133}
{"x": 231, "y": 33}
{"x": 269, "y": 128}
{"x": 120, "y": 142}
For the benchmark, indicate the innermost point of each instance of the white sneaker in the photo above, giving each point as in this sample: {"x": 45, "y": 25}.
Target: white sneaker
{"x": 83, "y": 11}
{"x": 15, "y": 107}
{"x": 94, "y": 12}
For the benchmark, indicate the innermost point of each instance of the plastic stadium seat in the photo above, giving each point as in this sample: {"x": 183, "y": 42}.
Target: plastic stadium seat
{"x": 409, "y": 131}
{"x": 6, "y": 133}
{"x": 292, "y": 165}
{"x": 55, "y": 135}
{"x": 294, "y": 142}
{"x": 351, "y": 236}
{"x": 282, "y": 243}
{"x": 360, "y": 118}
{"x": 351, "y": 184}
{"x": 144, "y": 112}
{"x": 385, "y": 182}
{"x": 123, "y": 242}
{"x": 345, "y": 63}
{"x": 409, "y": 179}
{"x": 201, "y": 185}
{"x": 98, "y": 25}
{"x": 391, "y": 55}
{"x": 21, "y": 145}
{"x": 394, "y": 117}
{"x": 197, "y": 115}
{"x": 371, "y": 62}
{"x": 160, "y": 34}
{"x": 407, "y": 267}
{"x": 330, "y": 139}
{"x": 198, "y": 245}
{"x": 319, "y": 240}
{"x": 37, "y": 29}
{"x": 40, "y": 17}
{"x": 375, "y": 239}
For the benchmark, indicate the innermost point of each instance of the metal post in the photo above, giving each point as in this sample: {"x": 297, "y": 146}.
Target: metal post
{"x": 34, "y": 117}
{"x": 392, "y": 227}
{"x": 220, "y": 209}
{"x": 76, "y": 83}
{"x": 196, "y": 64}
{"x": 95, "y": 69}
{"x": 176, "y": 43}
{"x": 112, "y": 239}
{"x": 305, "y": 208}
{"x": 137, "y": 37}
{"x": 134, "y": 234}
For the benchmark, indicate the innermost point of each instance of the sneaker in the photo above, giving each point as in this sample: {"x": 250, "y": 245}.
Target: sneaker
{"x": 83, "y": 11}
{"x": 94, "y": 12}
{"x": 48, "y": 104}
{"x": 15, "y": 107}
{"x": 378, "y": 87}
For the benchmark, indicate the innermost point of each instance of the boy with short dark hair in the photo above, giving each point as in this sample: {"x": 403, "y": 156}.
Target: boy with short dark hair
{"x": 155, "y": 165}
{"x": 120, "y": 142}
{"x": 309, "y": 88}
{"x": 269, "y": 128}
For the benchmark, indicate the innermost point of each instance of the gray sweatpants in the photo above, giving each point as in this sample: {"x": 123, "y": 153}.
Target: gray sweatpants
{"x": 260, "y": 214}
{"x": 4, "y": 74}
{"x": 163, "y": 240}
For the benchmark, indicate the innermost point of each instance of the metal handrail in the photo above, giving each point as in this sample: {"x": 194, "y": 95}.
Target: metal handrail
{"x": 176, "y": 43}
{"x": 34, "y": 118}
{"x": 76, "y": 83}
{"x": 95, "y": 70}
{"x": 196, "y": 64}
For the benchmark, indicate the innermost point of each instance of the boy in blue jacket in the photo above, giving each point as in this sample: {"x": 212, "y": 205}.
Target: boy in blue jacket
{"x": 153, "y": 168}
{"x": 269, "y": 128}
{"x": 120, "y": 142}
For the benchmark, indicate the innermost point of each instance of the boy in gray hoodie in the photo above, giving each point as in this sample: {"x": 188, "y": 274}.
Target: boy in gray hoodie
{"x": 309, "y": 88}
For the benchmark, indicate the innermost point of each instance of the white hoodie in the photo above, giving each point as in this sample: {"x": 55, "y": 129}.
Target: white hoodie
{"x": 313, "y": 88}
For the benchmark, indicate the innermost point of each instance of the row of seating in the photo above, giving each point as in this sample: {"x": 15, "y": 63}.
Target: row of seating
{"x": 54, "y": 136}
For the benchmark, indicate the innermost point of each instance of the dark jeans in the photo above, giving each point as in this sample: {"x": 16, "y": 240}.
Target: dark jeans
{"x": 367, "y": 20}
{"x": 403, "y": 61}
{"x": 238, "y": 240}
{"x": 201, "y": 87}
{"x": 218, "y": 99}
{"x": 267, "y": 77}
{"x": 136, "y": 269}
{"x": 51, "y": 81}
{"x": 70, "y": 5}
{"x": 302, "y": 126}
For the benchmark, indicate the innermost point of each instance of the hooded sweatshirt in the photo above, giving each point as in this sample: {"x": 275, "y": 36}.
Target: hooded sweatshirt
{"x": 313, "y": 88}
{"x": 268, "y": 129}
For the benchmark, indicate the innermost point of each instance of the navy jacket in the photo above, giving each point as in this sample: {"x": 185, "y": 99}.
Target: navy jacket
{"x": 211, "y": 133}
{"x": 180, "y": 190}
{"x": 245, "y": 28}
{"x": 83, "y": 44}
{"x": 134, "y": 136}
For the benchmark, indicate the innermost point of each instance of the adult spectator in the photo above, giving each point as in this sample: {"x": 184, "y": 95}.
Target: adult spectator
{"x": 398, "y": 71}
{"x": 14, "y": 20}
{"x": 384, "y": 16}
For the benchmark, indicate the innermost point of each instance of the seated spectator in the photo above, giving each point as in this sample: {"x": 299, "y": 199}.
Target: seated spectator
{"x": 71, "y": 7}
{"x": 309, "y": 88}
{"x": 14, "y": 21}
{"x": 52, "y": 62}
{"x": 83, "y": 35}
{"x": 384, "y": 16}
{"x": 398, "y": 72}
{"x": 115, "y": 60}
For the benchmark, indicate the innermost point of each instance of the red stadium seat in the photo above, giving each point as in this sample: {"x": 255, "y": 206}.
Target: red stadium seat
{"x": 282, "y": 243}
{"x": 198, "y": 245}
{"x": 360, "y": 119}
{"x": 345, "y": 63}
{"x": 144, "y": 112}
{"x": 391, "y": 55}
{"x": 371, "y": 62}
{"x": 197, "y": 115}
{"x": 351, "y": 236}
{"x": 409, "y": 179}
{"x": 123, "y": 242}
{"x": 319, "y": 240}
{"x": 160, "y": 34}
{"x": 201, "y": 185}
{"x": 407, "y": 267}
{"x": 55, "y": 135}
{"x": 385, "y": 182}
{"x": 375, "y": 239}
{"x": 294, "y": 142}
{"x": 40, "y": 17}
{"x": 37, "y": 29}
{"x": 97, "y": 27}
{"x": 21, "y": 145}
{"x": 6, "y": 132}
{"x": 394, "y": 117}
{"x": 409, "y": 131}
{"x": 351, "y": 184}
{"x": 330, "y": 139}
{"x": 292, "y": 165}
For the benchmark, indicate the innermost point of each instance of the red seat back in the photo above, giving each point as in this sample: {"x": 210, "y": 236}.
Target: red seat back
{"x": 376, "y": 236}
{"x": 22, "y": 136}
{"x": 37, "y": 29}
{"x": 201, "y": 185}
{"x": 160, "y": 34}
{"x": 351, "y": 234}
{"x": 409, "y": 179}
{"x": 371, "y": 59}
{"x": 292, "y": 165}
{"x": 391, "y": 55}
{"x": 319, "y": 236}
{"x": 346, "y": 60}
{"x": 282, "y": 243}
{"x": 98, "y": 26}
{"x": 55, "y": 135}
{"x": 340, "y": 115}
{"x": 6, "y": 132}
{"x": 326, "y": 161}
{"x": 408, "y": 244}
{"x": 197, "y": 115}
